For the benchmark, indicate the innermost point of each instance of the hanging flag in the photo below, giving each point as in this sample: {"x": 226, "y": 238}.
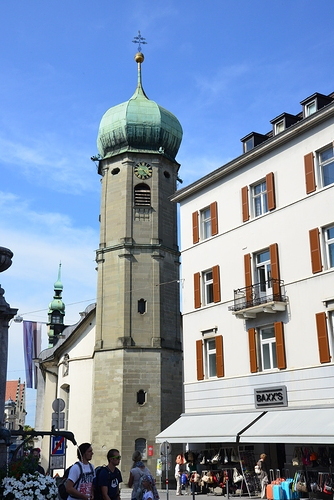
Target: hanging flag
{"x": 32, "y": 348}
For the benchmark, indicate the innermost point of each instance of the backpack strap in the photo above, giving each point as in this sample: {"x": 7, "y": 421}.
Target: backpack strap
{"x": 81, "y": 475}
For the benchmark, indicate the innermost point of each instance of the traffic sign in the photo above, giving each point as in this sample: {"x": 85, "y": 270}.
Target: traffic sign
{"x": 165, "y": 449}
{"x": 58, "y": 405}
{"x": 57, "y": 445}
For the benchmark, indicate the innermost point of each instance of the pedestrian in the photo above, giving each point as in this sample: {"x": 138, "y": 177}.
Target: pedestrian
{"x": 35, "y": 455}
{"x": 110, "y": 477}
{"x": 147, "y": 483}
{"x": 79, "y": 483}
{"x": 263, "y": 474}
{"x": 179, "y": 469}
{"x": 136, "y": 473}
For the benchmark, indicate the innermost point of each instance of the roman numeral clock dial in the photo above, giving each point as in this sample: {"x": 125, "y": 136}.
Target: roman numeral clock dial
{"x": 143, "y": 170}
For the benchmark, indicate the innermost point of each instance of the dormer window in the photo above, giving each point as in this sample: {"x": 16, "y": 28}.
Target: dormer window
{"x": 252, "y": 140}
{"x": 314, "y": 102}
{"x": 279, "y": 127}
{"x": 248, "y": 145}
{"x": 283, "y": 121}
{"x": 310, "y": 108}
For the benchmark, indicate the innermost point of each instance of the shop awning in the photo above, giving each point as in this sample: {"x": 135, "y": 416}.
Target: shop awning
{"x": 208, "y": 427}
{"x": 297, "y": 426}
{"x": 309, "y": 426}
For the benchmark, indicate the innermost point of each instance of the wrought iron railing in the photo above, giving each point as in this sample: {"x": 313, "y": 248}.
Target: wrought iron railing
{"x": 271, "y": 290}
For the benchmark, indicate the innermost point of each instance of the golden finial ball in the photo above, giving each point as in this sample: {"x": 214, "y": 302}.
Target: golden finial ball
{"x": 139, "y": 57}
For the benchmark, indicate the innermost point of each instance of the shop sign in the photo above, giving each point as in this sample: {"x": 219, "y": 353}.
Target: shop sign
{"x": 272, "y": 397}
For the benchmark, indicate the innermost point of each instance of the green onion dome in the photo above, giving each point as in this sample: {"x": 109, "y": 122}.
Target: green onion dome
{"x": 139, "y": 125}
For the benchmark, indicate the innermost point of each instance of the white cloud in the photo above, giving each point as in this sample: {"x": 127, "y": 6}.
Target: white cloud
{"x": 43, "y": 162}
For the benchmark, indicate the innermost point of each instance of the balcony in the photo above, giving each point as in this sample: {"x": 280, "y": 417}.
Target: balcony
{"x": 265, "y": 297}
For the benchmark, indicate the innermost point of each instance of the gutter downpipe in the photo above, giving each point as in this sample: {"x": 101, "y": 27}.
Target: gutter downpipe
{"x": 237, "y": 440}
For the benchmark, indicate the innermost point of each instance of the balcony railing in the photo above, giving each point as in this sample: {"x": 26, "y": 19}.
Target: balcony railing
{"x": 258, "y": 294}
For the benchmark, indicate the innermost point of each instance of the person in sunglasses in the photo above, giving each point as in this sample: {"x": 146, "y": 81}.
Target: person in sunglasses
{"x": 110, "y": 477}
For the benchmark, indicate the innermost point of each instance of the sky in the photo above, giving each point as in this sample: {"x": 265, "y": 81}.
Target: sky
{"x": 225, "y": 68}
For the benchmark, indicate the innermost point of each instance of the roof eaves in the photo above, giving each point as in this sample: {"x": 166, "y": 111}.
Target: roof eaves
{"x": 260, "y": 150}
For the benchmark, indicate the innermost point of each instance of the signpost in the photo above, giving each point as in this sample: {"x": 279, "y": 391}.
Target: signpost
{"x": 165, "y": 452}
{"x": 58, "y": 443}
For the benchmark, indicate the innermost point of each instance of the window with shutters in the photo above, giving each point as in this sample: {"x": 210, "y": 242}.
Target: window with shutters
{"x": 323, "y": 338}
{"x": 262, "y": 197}
{"x": 326, "y": 166}
{"x": 329, "y": 244}
{"x": 205, "y": 223}
{"x": 322, "y": 248}
{"x": 207, "y": 287}
{"x": 209, "y": 356}
{"x": 268, "y": 348}
{"x": 263, "y": 273}
{"x": 259, "y": 194}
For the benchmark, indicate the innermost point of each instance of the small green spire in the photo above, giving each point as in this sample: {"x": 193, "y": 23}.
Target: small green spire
{"x": 56, "y": 311}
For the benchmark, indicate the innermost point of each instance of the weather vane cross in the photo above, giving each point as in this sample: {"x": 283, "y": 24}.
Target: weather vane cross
{"x": 140, "y": 40}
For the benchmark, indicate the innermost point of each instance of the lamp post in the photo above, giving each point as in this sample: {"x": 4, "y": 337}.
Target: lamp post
{"x": 6, "y": 314}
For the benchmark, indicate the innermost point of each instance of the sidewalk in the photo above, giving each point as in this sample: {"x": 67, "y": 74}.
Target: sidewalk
{"x": 126, "y": 494}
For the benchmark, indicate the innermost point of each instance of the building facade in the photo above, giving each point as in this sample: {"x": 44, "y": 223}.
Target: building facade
{"x": 258, "y": 303}
{"x": 15, "y": 404}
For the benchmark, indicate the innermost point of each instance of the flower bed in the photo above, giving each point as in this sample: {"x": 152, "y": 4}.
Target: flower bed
{"x": 29, "y": 487}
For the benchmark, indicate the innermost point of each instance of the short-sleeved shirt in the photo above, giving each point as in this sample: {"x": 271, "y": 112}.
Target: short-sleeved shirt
{"x": 148, "y": 495}
{"x": 111, "y": 479}
{"x": 137, "y": 473}
{"x": 85, "y": 484}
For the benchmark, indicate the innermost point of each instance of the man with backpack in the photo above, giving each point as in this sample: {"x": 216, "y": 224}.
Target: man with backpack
{"x": 108, "y": 478}
{"x": 79, "y": 483}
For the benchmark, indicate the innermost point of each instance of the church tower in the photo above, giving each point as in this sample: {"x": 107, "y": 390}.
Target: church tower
{"x": 138, "y": 357}
{"x": 56, "y": 312}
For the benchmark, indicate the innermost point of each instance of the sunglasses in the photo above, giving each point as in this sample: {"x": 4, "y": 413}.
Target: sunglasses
{"x": 117, "y": 457}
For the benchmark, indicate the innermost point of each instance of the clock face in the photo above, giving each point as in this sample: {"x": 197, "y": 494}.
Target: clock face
{"x": 143, "y": 170}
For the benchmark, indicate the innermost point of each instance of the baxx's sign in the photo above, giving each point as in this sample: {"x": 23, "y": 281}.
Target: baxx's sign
{"x": 271, "y": 397}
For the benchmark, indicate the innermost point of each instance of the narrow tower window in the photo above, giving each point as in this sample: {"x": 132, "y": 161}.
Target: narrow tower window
{"x": 142, "y": 306}
{"x": 141, "y": 397}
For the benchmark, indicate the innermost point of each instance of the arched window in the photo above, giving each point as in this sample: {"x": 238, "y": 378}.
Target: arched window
{"x": 140, "y": 445}
{"x": 142, "y": 195}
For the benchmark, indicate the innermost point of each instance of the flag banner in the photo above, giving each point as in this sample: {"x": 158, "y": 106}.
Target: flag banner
{"x": 32, "y": 348}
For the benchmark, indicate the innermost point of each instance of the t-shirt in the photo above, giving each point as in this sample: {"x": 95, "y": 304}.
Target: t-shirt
{"x": 148, "y": 495}
{"x": 111, "y": 479}
{"x": 86, "y": 481}
{"x": 137, "y": 473}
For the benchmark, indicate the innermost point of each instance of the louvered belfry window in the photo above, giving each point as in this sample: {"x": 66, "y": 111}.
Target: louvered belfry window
{"x": 142, "y": 195}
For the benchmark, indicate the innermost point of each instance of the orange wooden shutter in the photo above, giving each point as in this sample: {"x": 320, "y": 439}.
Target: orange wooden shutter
{"x": 216, "y": 283}
{"x": 199, "y": 360}
{"x": 248, "y": 276}
{"x": 214, "y": 218}
{"x": 309, "y": 173}
{"x": 219, "y": 356}
{"x": 245, "y": 206}
{"x": 280, "y": 348}
{"x": 323, "y": 343}
{"x": 270, "y": 183}
{"x": 195, "y": 228}
{"x": 275, "y": 274}
{"x": 315, "y": 250}
{"x": 252, "y": 350}
{"x": 197, "y": 290}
